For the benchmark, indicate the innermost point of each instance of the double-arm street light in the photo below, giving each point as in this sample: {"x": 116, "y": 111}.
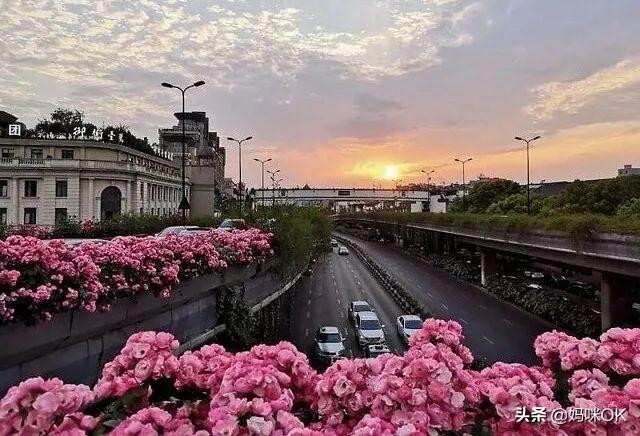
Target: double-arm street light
{"x": 428, "y": 173}
{"x": 464, "y": 182}
{"x": 528, "y": 190}
{"x": 184, "y": 203}
{"x": 262, "y": 162}
{"x": 239, "y": 142}
{"x": 273, "y": 186}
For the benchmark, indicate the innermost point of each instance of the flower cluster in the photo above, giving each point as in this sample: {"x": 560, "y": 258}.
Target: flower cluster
{"x": 146, "y": 355}
{"x": 37, "y": 406}
{"x": 618, "y": 351}
{"x": 272, "y": 390}
{"x": 39, "y": 278}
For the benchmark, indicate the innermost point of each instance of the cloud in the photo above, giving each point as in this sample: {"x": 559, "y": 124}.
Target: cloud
{"x": 571, "y": 96}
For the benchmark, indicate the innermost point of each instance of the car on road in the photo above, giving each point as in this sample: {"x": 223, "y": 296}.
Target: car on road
{"x": 334, "y": 242}
{"x": 407, "y": 325}
{"x": 329, "y": 345}
{"x": 534, "y": 287}
{"x": 376, "y": 350}
{"x": 174, "y": 230}
{"x": 369, "y": 331}
{"x": 358, "y": 306}
{"x": 343, "y": 251}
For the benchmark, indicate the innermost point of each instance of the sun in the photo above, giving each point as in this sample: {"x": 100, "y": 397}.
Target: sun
{"x": 391, "y": 172}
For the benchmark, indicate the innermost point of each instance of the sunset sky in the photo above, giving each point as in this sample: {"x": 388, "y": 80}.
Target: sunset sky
{"x": 347, "y": 92}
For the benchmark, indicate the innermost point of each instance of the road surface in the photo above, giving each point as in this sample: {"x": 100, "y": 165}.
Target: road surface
{"x": 493, "y": 329}
{"x": 323, "y": 298}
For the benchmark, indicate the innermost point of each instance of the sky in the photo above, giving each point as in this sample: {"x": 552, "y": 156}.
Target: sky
{"x": 347, "y": 92}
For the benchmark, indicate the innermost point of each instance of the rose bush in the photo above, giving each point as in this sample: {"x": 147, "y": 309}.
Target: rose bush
{"x": 39, "y": 278}
{"x": 272, "y": 390}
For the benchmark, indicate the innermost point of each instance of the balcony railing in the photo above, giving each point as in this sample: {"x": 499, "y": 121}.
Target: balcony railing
{"x": 20, "y": 162}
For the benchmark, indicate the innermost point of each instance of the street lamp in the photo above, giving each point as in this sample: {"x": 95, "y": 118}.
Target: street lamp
{"x": 395, "y": 193}
{"x": 528, "y": 190}
{"x": 273, "y": 186}
{"x": 464, "y": 183}
{"x": 428, "y": 173}
{"x": 239, "y": 142}
{"x": 262, "y": 162}
{"x": 184, "y": 203}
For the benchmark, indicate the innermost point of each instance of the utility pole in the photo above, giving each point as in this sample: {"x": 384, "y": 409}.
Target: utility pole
{"x": 273, "y": 186}
{"x": 528, "y": 184}
{"x": 464, "y": 183}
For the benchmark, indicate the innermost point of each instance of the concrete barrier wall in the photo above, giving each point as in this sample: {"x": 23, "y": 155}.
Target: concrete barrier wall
{"x": 75, "y": 346}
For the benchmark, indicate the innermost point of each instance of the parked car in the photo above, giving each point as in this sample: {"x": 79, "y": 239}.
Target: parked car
{"x": 329, "y": 344}
{"x": 174, "y": 230}
{"x": 369, "y": 331}
{"x": 196, "y": 231}
{"x": 343, "y": 251}
{"x": 232, "y": 224}
{"x": 376, "y": 350}
{"x": 407, "y": 325}
{"x": 358, "y": 306}
{"x": 534, "y": 287}
{"x": 334, "y": 242}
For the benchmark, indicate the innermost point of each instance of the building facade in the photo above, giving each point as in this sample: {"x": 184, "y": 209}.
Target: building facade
{"x": 205, "y": 159}
{"x": 47, "y": 181}
{"x": 628, "y": 170}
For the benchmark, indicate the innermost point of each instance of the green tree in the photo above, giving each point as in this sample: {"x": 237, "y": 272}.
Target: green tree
{"x": 485, "y": 192}
{"x": 630, "y": 208}
{"x": 602, "y": 197}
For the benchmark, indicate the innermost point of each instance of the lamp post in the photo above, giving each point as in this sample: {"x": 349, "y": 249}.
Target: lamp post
{"x": 184, "y": 203}
{"x": 273, "y": 186}
{"x": 395, "y": 193}
{"x": 528, "y": 190}
{"x": 239, "y": 142}
{"x": 428, "y": 173}
{"x": 464, "y": 183}
{"x": 262, "y": 162}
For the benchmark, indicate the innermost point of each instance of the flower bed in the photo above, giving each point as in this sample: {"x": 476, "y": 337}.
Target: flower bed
{"x": 39, "y": 278}
{"x": 430, "y": 389}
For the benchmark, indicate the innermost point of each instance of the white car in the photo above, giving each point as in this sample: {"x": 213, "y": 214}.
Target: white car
{"x": 334, "y": 242}
{"x": 407, "y": 325}
{"x": 369, "y": 331}
{"x": 231, "y": 224}
{"x": 534, "y": 287}
{"x": 329, "y": 344}
{"x": 358, "y": 306}
{"x": 376, "y": 350}
{"x": 343, "y": 251}
{"x": 175, "y": 230}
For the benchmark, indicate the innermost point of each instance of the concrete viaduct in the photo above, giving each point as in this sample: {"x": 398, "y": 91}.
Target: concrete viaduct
{"x": 615, "y": 258}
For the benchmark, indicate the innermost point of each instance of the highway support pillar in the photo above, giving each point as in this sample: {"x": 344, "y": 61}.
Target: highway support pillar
{"x": 615, "y": 305}
{"x": 488, "y": 265}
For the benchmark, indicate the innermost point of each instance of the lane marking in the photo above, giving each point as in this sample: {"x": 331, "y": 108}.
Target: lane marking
{"x": 308, "y": 315}
{"x": 464, "y": 321}
{"x": 488, "y": 340}
{"x": 309, "y": 302}
{"x": 445, "y": 306}
{"x": 482, "y": 306}
{"x": 507, "y": 321}
{"x": 306, "y": 332}
{"x": 429, "y": 294}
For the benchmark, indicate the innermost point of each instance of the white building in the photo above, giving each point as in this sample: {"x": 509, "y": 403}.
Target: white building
{"x": 44, "y": 181}
{"x": 353, "y": 199}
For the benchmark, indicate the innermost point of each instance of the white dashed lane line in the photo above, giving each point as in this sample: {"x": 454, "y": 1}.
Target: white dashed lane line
{"x": 482, "y": 306}
{"x": 445, "y": 306}
{"x": 488, "y": 340}
{"x": 464, "y": 321}
{"x": 306, "y": 332}
{"x": 308, "y": 315}
{"x": 506, "y": 321}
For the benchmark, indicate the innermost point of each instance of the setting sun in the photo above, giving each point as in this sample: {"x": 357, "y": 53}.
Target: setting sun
{"x": 391, "y": 172}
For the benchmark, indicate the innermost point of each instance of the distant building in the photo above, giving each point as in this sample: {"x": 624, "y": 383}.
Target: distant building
{"x": 10, "y": 127}
{"x": 205, "y": 159}
{"x": 628, "y": 170}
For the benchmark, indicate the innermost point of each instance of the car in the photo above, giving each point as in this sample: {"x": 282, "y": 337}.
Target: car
{"x": 196, "y": 231}
{"x": 369, "y": 331}
{"x": 358, "y": 306}
{"x": 534, "y": 287}
{"x": 232, "y": 224}
{"x": 535, "y": 275}
{"x": 174, "y": 230}
{"x": 407, "y": 325}
{"x": 334, "y": 242}
{"x": 329, "y": 345}
{"x": 343, "y": 251}
{"x": 376, "y": 350}
{"x": 77, "y": 242}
